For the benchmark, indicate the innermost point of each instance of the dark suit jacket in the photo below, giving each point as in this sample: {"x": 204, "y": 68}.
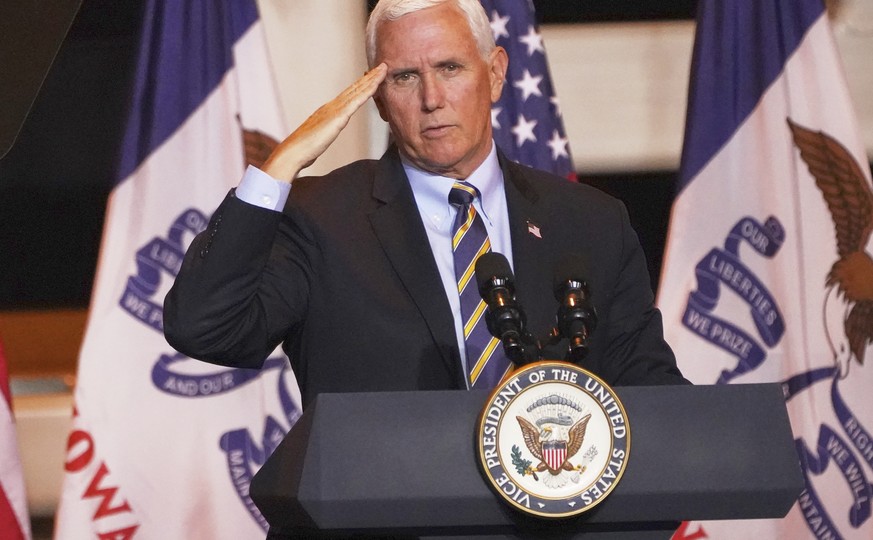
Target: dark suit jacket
{"x": 345, "y": 278}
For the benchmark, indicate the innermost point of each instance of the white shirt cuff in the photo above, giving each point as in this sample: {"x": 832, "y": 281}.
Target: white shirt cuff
{"x": 261, "y": 189}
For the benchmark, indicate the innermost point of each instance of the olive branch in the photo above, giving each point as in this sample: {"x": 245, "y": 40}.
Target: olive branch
{"x": 522, "y": 465}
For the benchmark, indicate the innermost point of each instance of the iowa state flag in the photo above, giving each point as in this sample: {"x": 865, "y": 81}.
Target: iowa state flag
{"x": 768, "y": 274}
{"x": 164, "y": 446}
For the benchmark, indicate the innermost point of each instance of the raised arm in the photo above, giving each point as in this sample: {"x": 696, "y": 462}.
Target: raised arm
{"x": 244, "y": 283}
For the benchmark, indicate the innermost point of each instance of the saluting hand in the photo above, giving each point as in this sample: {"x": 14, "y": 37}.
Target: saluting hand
{"x": 300, "y": 149}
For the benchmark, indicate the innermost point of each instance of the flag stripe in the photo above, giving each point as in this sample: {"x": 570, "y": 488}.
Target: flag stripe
{"x": 9, "y": 528}
{"x": 13, "y": 506}
{"x": 735, "y": 60}
{"x": 173, "y": 56}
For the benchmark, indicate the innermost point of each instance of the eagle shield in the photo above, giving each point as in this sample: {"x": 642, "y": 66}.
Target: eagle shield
{"x": 554, "y": 454}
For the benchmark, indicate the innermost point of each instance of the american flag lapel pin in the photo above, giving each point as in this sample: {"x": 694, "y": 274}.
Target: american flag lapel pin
{"x": 534, "y": 229}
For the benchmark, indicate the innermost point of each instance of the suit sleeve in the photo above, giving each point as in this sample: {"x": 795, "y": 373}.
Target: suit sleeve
{"x": 242, "y": 288}
{"x": 636, "y": 353}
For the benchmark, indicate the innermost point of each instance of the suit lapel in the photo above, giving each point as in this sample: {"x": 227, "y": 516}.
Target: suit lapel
{"x": 533, "y": 248}
{"x": 397, "y": 224}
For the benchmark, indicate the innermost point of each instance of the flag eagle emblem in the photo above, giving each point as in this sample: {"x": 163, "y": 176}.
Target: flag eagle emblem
{"x": 850, "y": 202}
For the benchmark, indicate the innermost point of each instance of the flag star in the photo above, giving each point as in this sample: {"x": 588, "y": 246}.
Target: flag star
{"x": 495, "y": 112}
{"x": 558, "y": 145}
{"x": 523, "y": 130}
{"x": 529, "y": 85}
{"x": 498, "y": 25}
{"x": 556, "y": 104}
{"x": 533, "y": 41}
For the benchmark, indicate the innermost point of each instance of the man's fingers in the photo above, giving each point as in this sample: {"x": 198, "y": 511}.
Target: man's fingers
{"x": 363, "y": 89}
{"x": 316, "y": 133}
{"x": 370, "y": 80}
{"x": 342, "y": 107}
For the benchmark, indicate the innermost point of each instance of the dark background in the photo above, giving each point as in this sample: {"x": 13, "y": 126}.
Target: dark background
{"x": 55, "y": 180}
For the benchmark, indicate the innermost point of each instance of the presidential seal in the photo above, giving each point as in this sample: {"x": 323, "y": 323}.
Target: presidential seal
{"x": 553, "y": 440}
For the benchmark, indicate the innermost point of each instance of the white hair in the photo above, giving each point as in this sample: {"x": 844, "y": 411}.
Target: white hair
{"x": 389, "y": 10}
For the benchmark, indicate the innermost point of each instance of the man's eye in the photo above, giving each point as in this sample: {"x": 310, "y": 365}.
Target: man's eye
{"x": 404, "y": 79}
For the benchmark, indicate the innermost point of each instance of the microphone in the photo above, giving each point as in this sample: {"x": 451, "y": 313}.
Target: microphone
{"x": 576, "y": 317}
{"x": 504, "y": 317}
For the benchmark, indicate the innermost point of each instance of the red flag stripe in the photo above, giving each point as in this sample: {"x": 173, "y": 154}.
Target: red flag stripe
{"x": 10, "y": 528}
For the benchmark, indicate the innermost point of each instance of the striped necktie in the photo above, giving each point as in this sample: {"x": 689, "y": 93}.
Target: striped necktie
{"x": 486, "y": 361}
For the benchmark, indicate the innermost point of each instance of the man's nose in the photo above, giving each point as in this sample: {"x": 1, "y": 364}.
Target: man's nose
{"x": 432, "y": 92}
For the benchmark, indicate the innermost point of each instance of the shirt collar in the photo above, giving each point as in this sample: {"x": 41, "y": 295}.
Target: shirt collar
{"x": 487, "y": 178}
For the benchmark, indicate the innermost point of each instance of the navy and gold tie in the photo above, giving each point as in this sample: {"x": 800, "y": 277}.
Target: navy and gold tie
{"x": 486, "y": 361}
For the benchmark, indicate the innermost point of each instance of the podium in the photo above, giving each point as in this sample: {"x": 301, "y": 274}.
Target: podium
{"x": 404, "y": 464}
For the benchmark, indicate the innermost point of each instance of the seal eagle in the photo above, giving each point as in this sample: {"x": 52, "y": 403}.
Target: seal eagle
{"x": 533, "y": 442}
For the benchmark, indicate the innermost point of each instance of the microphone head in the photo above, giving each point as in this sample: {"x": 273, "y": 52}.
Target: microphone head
{"x": 570, "y": 272}
{"x": 576, "y": 317}
{"x": 493, "y": 270}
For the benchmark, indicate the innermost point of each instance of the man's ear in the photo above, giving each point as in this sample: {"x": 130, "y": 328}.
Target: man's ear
{"x": 499, "y": 62}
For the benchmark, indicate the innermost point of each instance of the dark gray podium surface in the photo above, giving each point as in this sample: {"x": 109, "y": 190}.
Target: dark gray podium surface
{"x": 405, "y": 463}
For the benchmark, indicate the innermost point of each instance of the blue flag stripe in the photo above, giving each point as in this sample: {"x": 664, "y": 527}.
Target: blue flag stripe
{"x": 185, "y": 50}
{"x": 736, "y": 58}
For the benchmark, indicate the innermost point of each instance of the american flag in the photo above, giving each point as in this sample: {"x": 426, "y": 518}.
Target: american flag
{"x": 527, "y": 119}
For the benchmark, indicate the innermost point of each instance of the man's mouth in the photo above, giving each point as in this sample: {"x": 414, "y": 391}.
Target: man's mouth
{"x": 436, "y": 131}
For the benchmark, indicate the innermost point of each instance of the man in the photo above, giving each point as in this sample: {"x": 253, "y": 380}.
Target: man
{"x": 354, "y": 274}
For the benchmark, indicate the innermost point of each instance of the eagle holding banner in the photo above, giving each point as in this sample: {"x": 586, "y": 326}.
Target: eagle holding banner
{"x": 850, "y": 202}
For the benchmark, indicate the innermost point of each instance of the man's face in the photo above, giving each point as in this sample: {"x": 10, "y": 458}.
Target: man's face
{"x": 438, "y": 93}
